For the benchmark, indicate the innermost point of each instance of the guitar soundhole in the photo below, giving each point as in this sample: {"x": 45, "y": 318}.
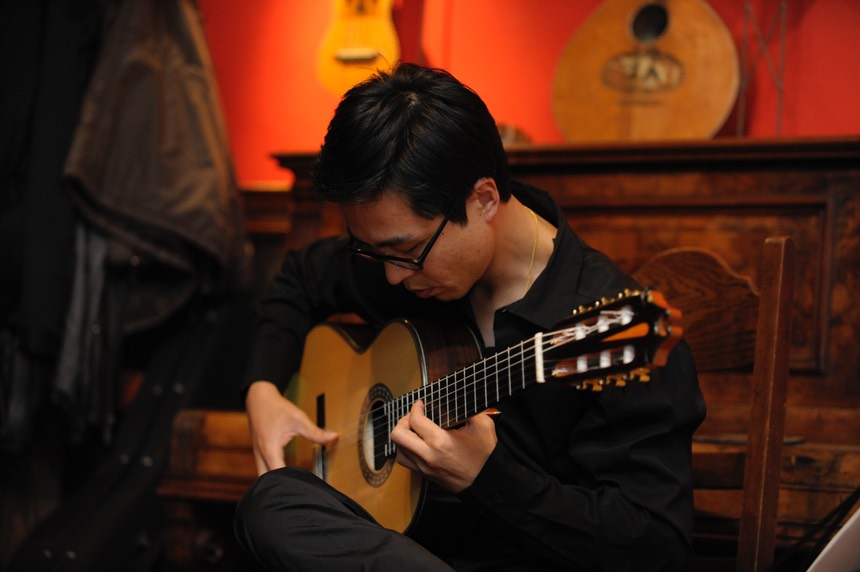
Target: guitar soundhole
{"x": 650, "y": 23}
{"x": 373, "y": 436}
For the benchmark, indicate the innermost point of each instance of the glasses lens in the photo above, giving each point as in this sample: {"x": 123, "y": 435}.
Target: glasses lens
{"x": 403, "y": 264}
{"x": 365, "y": 251}
{"x": 370, "y": 255}
{"x": 363, "y": 255}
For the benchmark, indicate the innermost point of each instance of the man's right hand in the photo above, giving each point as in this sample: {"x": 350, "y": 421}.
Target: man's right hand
{"x": 274, "y": 421}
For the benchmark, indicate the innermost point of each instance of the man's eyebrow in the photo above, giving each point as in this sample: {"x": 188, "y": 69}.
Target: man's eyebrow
{"x": 393, "y": 241}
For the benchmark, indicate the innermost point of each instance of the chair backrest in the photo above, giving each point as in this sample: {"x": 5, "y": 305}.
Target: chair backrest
{"x": 730, "y": 325}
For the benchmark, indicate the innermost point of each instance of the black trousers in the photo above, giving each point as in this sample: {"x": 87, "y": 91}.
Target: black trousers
{"x": 292, "y": 520}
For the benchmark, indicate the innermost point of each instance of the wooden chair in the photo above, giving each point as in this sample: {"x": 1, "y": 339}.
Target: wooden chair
{"x": 729, "y": 325}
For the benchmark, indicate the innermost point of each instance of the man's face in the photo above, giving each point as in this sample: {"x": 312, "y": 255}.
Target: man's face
{"x": 456, "y": 260}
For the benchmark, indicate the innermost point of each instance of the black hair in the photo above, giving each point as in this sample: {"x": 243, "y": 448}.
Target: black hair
{"x": 416, "y": 131}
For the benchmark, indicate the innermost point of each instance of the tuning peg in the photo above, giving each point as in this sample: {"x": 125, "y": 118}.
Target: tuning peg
{"x": 618, "y": 379}
{"x": 641, "y": 375}
{"x": 591, "y": 384}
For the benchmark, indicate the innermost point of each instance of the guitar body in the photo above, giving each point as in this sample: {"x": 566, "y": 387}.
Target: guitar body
{"x": 641, "y": 70}
{"x": 340, "y": 381}
{"x": 360, "y": 40}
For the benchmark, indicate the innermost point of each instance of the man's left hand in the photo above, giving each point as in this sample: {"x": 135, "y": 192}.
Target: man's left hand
{"x": 451, "y": 458}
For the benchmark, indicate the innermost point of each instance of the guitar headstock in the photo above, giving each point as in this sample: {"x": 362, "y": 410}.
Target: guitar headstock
{"x": 612, "y": 342}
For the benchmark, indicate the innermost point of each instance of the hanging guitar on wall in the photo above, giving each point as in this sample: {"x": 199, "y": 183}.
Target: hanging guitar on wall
{"x": 646, "y": 70}
{"x": 360, "y": 40}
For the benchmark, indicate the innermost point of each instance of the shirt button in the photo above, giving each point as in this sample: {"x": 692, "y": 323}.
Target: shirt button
{"x": 498, "y": 498}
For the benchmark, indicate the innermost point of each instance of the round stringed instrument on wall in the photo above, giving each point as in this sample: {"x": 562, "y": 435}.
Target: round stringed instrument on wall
{"x": 641, "y": 70}
{"x": 360, "y": 39}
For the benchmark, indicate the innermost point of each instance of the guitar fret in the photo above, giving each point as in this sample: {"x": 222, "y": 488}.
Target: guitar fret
{"x": 507, "y": 370}
{"x": 499, "y": 390}
{"x": 486, "y": 394}
{"x": 474, "y": 375}
{"x": 460, "y": 387}
{"x": 431, "y": 405}
{"x": 491, "y": 382}
{"x": 457, "y": 392}
{"x": 522, "y": 366}
{"x": 449, "y": 414}
{"x": 496, "y": 375}
{"x": 476, "y": 387}
{"x": 447, "y": 404}
{"x": 462, "y": 399}
{"x": 497, "y": 378}
{"x": 416, "y": 397}
{"x": 458, "y": 415}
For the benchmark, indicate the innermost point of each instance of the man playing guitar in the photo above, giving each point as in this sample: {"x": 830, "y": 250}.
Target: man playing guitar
{"x": 560, "y": 479}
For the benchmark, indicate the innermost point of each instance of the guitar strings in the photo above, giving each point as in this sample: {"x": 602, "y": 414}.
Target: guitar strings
{"x": 474, "y": 379}
{"x": 477, "y": 380}
{"x": 467, "y": 382}
{"x": 466, "y": 385}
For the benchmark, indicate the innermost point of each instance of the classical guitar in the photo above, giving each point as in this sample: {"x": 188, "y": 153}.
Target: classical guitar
{"x": 360, "y": 39}
{"x": 644, "y": 70}
{"x": 361, "y": 391}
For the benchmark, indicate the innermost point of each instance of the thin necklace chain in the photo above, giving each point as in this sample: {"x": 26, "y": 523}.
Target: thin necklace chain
{"x": 534, "y": 251}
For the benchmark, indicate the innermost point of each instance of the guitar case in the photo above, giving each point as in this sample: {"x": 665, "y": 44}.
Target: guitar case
{"x": 115, "y": 520}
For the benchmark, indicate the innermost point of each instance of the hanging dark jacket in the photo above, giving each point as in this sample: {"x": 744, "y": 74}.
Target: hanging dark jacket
{"x": 151, "y": 161}
{"x": 151, "y": 172}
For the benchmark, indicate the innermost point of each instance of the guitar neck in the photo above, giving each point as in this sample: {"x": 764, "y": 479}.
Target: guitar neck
{"x": 609, "y": 344}
{"x": 452, "y": 399}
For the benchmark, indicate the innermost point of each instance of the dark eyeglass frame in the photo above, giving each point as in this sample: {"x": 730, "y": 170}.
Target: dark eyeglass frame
{"x": 402, "y": 262}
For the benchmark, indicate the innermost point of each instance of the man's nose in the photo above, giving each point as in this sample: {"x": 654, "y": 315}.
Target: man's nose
{"x": 397, "y": 274}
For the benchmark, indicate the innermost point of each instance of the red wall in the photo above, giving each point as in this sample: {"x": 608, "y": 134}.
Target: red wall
{"x": 264, "y": 54}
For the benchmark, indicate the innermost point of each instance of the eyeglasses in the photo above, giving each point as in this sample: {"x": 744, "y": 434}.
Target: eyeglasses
{"x": 363, "y": 250}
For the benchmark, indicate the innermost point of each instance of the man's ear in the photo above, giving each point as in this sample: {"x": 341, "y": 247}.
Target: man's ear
{"x": 487, "y": 194}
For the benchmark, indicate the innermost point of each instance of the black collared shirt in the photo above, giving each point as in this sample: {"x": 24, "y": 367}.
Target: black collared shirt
{"x": 578, "y": 481}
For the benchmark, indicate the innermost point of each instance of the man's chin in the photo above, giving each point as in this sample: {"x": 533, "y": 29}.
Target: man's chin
{"x": 439, "y": 293}
{"x": 446, "y": 295}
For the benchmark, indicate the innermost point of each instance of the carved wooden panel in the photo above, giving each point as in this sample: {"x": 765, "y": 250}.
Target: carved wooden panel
{"x": 633, "y": 233}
